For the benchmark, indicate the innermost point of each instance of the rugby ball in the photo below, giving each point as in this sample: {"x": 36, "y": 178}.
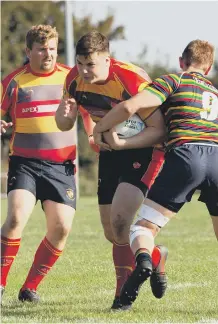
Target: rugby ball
{"x": 130, "y": 127}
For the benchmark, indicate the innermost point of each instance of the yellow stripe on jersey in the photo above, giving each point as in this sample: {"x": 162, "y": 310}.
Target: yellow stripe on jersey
{"x": 112, "y": 87}
{"x": 186, "y": 108}
{"x": 34, "y": 125}
{"x": 185, "y": 93}
{"x": 201, "y": 122}
{"x": 143, "y": 86}
{"x": 3, "y": 113}
{"x": 188, "y": 132}
{"x": 156, "y": 92}
{"x": 189, "y": 138}
{"x": 28, "y": 79}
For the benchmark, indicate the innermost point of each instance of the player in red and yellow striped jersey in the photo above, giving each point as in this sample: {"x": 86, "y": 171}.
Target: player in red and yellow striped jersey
{"x": 96, "y": 84}
{"x": 41, "y": 156}
{"x": 189, "y": 103}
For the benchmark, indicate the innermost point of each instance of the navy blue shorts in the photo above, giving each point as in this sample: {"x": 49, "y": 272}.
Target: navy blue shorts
{"x": 44, "y": 179}
{"x": 121, "y": 166}
{"x": 187, "y": 168}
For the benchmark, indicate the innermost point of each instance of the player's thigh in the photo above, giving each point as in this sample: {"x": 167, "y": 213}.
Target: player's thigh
{"x": 155, "y": 206}
{"x": 108, "y": 176}
{"x": 215, "y": 225}
{"x": 126, "y": 201}
{"x": 154, "y": 167}
{"x": 21, "y": 203}
{"x": 57, "y": 184}
{"x": 182, "y": 172}
{"x": 105, "y": 213}
{"x": 21, "y": 190}
{"x": 22, "y": 174}
{"x": 209, "y": 188}
{"x": 131, "y": 191}
{"x": 134, "y": 165}
{"x": 59, "y": 216}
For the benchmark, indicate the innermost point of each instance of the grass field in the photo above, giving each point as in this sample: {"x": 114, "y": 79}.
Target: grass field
{"x": 80, "y": 288}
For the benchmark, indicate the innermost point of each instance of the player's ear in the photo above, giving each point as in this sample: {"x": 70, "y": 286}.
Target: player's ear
{"x": 28, "y": 52}
{"x": 107, "y": 59}
{"x": 181, "y": 63}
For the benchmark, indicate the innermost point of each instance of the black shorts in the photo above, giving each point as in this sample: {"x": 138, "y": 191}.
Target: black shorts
{"x": 44, "y": 179}
{"x": 187, "y": 168}
{"x": 121, "y": 166}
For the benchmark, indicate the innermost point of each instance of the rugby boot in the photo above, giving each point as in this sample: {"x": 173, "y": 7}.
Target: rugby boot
{"x": 28, "y": 295}
{"x": 142, "y": 272}
{"x": 117, "y": 306}
{"x": 158, "y": 279}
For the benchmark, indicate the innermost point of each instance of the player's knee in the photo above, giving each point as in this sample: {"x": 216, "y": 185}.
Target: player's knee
{"x": 108, "y": 235}
{"x": 15, "y": 221}
{"x": 120, "y": 227}
{"x": 61, "y": 231}
{"x": 108, "y": 232}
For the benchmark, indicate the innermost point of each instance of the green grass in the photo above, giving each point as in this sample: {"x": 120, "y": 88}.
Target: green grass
{"x": 81, "y": 286}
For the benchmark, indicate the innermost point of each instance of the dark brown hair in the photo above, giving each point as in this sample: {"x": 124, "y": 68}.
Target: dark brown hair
{"x": 92, "y": 42}
{"x": 40, "y": 34}
{"x": 199, "y": 53}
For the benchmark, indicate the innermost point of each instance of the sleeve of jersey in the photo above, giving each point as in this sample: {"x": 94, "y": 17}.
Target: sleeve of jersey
{"x": 133, "y": 81}
{"x": 89, "y": 125}
{"x": 6, "y": 97}
{"x": 69, "y": 89}
{"x": 163, "y": 87}
{"x": 87, "y": 121}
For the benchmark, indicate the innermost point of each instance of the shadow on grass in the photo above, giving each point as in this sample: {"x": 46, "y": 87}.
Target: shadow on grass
{"x": 19, "y": 309}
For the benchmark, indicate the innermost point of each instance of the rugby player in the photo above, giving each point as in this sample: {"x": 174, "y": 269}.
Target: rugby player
{"x": 41, "y": 161}
{"x": 96, "y": 84}
{"x": 189, "y": 103}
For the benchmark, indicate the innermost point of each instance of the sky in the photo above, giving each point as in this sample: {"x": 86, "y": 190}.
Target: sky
{"x": 166, "y": 27}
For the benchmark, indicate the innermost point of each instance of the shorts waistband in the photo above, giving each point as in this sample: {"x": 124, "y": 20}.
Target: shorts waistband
{"x": 200, "y": 143}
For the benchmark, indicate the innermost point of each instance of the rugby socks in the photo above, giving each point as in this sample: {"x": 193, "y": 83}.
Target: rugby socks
{"x": 156, "y": 256}
{"x": 9, "y": 249}
{"x": 45, "y": 258}
{"x": 124, "y": 263}
{"x": 141, "y": 252}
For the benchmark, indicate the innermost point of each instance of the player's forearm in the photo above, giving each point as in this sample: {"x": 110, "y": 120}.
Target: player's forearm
{"x": 89, "y": 124}
{"x": 125, "y": 109}
{"x": 115, "y": 116}
{"x": 64, "y": 123}
{"x": 150, "y": 136}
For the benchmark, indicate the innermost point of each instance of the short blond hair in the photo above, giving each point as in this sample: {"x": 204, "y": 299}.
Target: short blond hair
{"x": 40, "y": 34}
{"x": 199, "y": 53}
